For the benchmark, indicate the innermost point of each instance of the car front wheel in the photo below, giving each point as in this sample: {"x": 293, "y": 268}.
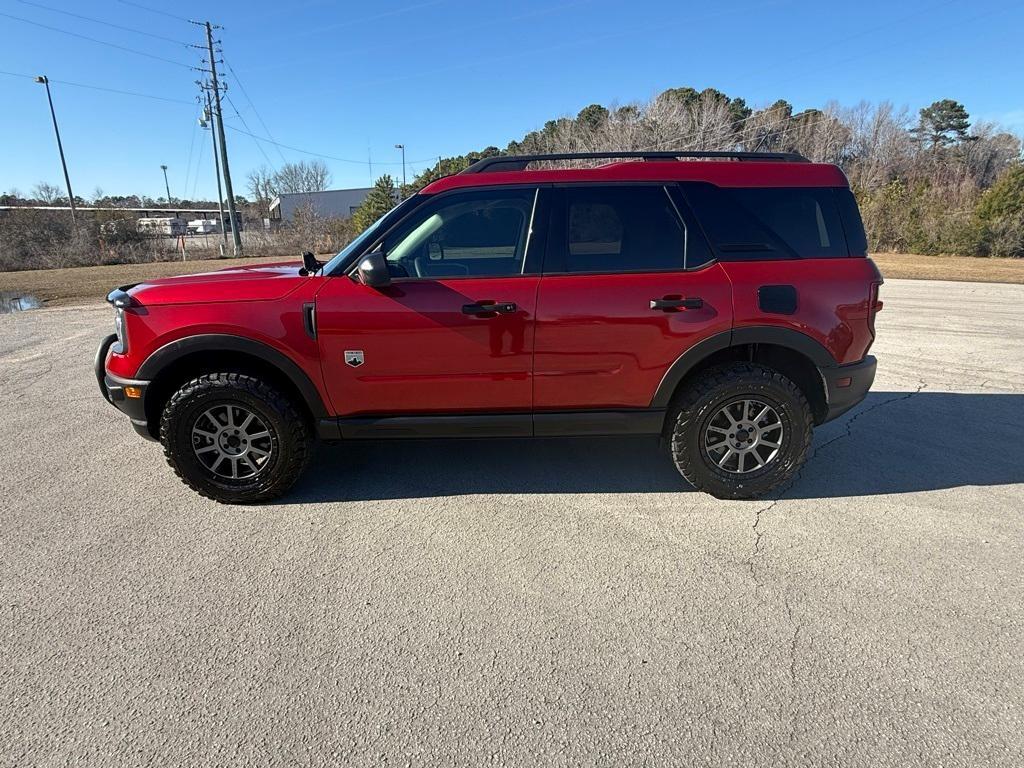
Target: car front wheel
{"x": 740, "y": 431}
{"x": 234, "y": 438}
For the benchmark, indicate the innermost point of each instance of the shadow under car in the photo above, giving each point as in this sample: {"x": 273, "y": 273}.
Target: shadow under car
{"x": 894, "y": 442}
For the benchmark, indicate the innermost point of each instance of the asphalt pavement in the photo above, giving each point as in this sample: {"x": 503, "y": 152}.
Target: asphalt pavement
{"x": 557, "y": 602}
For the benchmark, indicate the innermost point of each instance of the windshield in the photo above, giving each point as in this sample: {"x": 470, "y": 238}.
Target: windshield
{"x": 368, "y": 235}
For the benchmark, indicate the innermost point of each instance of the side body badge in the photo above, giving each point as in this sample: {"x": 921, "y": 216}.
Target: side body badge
{"x": 354, "y": 357}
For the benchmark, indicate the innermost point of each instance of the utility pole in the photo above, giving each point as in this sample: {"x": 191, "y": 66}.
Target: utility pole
{"x": 208, "y": 114}
{"x": 60, "y": 148}
{"x": 166, "y": 185}
{"x": 402, "y": 147}
{"x": 218, "y": 119}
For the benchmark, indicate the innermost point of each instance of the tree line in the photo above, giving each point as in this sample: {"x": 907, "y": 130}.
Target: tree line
{"x": 932, "y": 183}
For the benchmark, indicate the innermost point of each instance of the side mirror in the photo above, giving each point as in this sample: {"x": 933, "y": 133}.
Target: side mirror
{"x": 310, "y": 265}
{"x": 373, "y": 270}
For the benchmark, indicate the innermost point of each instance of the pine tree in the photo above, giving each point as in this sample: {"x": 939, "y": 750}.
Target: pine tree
{"x": 379, "y": 201}
{"x": 1005, "y": 198}
{"x": 942, "y": 124}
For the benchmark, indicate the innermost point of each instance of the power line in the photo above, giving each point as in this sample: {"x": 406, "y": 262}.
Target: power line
{"x": 318, "y": 154}
{"x": 837, "y": 43}
{"x": 101, "y": 21}
{"x": 590, "y": 39}
{"x": 95, "y": 40}
{"x": 191, "y": 147}
{"x": 258, "y": 145}
{"x": 959, "y": 24}
{"x": 104, "y": 88}
{"x": 366, "y": 19}
{"x": 154, "y": 10}
{"x": 373, "y": 47}
{"x": 255, "y": 111}
{"x": 195, "y": 180}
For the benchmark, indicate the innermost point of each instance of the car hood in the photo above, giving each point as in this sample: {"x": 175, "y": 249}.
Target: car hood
{"x": 262, "y": 282}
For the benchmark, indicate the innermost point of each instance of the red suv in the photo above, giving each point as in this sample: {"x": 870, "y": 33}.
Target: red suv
{"x": 722, "y": 301}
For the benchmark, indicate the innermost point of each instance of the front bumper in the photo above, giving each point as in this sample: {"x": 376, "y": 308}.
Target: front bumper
{"x": 113, "y": 390}
{"x": 847, "y": 385}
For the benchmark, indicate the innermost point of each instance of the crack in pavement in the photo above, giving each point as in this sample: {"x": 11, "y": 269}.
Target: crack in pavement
{"x": 794, "y": 640}
{"x": 847, "y": 432}
{"x": 793, "y": 643}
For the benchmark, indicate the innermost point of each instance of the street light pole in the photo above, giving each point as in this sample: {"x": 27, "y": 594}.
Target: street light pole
{"x": 60, "y": 147}
{"x": 166, "y": 185}
{"x": 402, "y": 147}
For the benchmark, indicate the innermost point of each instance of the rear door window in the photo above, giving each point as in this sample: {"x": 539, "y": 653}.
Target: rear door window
{"x": 767, "y": 223}
{"x": 617, "y": 229}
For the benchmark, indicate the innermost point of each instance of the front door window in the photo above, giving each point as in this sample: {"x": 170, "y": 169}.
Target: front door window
{"x": 471, "y": 234}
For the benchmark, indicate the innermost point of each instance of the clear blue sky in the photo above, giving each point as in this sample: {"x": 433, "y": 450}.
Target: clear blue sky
{"x": 448, "y": 76}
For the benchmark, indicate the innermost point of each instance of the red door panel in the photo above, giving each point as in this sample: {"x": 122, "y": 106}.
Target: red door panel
{"x": 600, "y": 345}
{"x": 421, "y": 353}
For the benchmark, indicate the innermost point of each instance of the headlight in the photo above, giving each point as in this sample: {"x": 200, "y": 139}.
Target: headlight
{"x": 119, "y": 329}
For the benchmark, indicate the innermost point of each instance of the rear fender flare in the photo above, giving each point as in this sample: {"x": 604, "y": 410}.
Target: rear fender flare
{"x": 767, "y": 334}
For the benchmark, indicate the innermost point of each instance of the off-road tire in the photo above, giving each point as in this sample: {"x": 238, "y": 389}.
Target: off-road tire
{"x": 710, "y": 392}
{"x": 290, "y": 437}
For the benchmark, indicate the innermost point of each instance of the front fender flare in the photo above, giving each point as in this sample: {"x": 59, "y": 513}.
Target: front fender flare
{"x": 220, "y": 342}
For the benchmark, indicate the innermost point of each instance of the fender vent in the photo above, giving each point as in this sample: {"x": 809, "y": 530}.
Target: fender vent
{"x": 777, "y": 299}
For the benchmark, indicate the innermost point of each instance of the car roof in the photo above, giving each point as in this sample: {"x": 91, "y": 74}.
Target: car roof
{"x": 724, "y": 173}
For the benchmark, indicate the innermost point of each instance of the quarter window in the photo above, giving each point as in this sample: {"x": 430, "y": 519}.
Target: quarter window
{"x": 770, "y": 223}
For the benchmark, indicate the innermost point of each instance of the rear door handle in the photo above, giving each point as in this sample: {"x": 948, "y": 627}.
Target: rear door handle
{"x": 669, "y": 304}
{"x": 489, "y": 308}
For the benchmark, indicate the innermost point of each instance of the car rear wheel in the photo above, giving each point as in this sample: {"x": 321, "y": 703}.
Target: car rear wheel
{"x": 740, "y": 431}
{"x": 234, "y": 438}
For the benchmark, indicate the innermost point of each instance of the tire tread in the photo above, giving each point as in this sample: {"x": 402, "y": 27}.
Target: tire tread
{"x": 704, "y": 388}
{"x": 296, "y": 432}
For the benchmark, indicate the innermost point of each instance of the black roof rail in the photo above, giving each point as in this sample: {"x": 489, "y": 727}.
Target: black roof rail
{"x": 519, "y": 162}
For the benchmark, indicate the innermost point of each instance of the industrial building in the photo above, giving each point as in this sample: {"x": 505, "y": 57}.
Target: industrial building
{"x": 331, "y": 203}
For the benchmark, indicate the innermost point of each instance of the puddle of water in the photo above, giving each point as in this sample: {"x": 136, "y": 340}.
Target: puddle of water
{"x": 13, "y": 302}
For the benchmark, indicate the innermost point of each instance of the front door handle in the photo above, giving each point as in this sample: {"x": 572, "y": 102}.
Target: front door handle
{"x": 487, "y": 308}
{"x": 672, "y": 303}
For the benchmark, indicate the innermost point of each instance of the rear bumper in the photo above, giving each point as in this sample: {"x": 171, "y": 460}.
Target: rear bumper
{"x": 113, "y": 390}
{"x": 847, "y": 385}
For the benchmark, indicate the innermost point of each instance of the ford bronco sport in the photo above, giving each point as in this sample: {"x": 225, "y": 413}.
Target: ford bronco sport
{"x": 723, "y": 301}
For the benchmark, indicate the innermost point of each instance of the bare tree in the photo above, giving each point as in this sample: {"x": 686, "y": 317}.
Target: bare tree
{"x": 46, "y": 192}
{"x": 263, "y": 189}
{"x": 303, "y": 176}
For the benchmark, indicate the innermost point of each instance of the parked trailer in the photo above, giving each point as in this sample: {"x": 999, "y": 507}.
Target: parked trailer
{"x": 203, "y": 227}
{"x": 163, "y": 226}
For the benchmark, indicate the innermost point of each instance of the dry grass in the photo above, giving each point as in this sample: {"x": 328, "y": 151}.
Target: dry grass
{"x": 81, "y": 285}
{"x": 958, "y": 268}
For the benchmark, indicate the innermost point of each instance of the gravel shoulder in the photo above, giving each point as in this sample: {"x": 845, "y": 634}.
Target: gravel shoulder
{"x": 558, "y": 602}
